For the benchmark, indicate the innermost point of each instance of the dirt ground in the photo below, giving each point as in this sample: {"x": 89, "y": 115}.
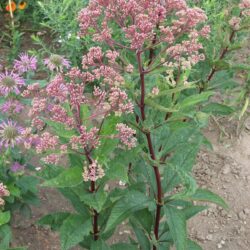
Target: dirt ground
{"x": 226, "y": 171}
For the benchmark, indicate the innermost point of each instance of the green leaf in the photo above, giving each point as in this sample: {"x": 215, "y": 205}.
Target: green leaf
{"x": 178, "y": 170}
{"x": 223, "y": 80}
{"x": 28, "y": 183}
{"x": 54, "y": 220}
{"x": 117, "y": 171}
{"x": 217, "y": 109}
{"x": 68, "y": 178}
{"x": 221, "y": 64}
{"x": 73, "y": 231}
{"x": 133, "y": 201}
{"x": 4, "y": 217}
{"x": 159, "y": 107}
{"x": 177, "y": 224}
{"x": 192, "y": 211}
{"x": 240, "y": 66}
{"x": 206, "y": 195}
{"x": 176, "y": 136}
{"x": 141, "y": 236}
{"x": 195, "y": 99}
{"x": 5, "y": 236}
{"x": 76, "y": 160}
{"x": 107, "y": 145}
{"x": 94, "y": 200}
{"x": 15, "y": 191}
{"x": 73, "y": 197}
{"x": 145, "y": 218}
{"x": 244, "y": 109}
{"x": 123, "y": 246}
{"x": 191, "y": 245}
{"x": 60, "y": 129}
{"x": 85, "y": 112}
{"x": 99, "y": 245}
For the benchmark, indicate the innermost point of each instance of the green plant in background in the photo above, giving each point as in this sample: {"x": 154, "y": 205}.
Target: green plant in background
{"x": 59, "y": 19}
{"x": 18, "y": 187}
{"x": 17, "y": 13}
{"x": 221, "y": 69}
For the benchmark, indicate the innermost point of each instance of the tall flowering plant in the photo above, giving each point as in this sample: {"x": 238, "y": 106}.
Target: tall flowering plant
{"x": 158, "y": 43}
{"x": 17, "y": 189}
{"x": 137, "y": 89}
{"x": 78, "y": 121}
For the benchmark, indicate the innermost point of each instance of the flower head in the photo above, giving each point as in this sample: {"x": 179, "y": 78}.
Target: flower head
{"x": 22, "y": 5}
{"x": 12, "y": 107}
{"x": 155, "y": 91}
{"x": 16, "y": 167}
{"x": 10, "y": 83}
{"x": 3, "y": 193}
{"x": 245, "y": 4}
{"x": 3, "y": 190}
{"x": 10, "y": 134}
{"x": 51, "y": 159}
{"x": 57, "y": 63}
{"x": 146, "y": 16}
{"x": 93, "y": 172}
{"x": 11, "y": 7}
{"x": 25, "y": 63}
{"x": 235, "y": 23}
{"x": 126, "y": 135}
{"x": 47, "y": 141}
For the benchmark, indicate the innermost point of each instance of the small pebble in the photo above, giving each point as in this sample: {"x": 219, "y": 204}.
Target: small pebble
{"x": 209, "y": 237}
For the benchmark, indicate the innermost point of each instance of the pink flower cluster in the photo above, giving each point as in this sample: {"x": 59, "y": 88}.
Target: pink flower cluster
{"x": 139, "y": 20}
{"x": 46, "y": 142}
{"x": 31, "y": 90}
{"x": 89, "y": 138}
{"x": 38, "y": 105}
{"x": 59, "y": 114}
{"x": 117, "y": 100}
{"x": 245, "y": 4}
{"x": 30, "y": 139}
{"x": 105, "y": 66}
{"x": 57, "y": 88}
{"x": 126, "y": 135}
{"x": 93, "y": 172}
{"x": 245, "y": 7}
{"x": 4, "y": 192}
{"x": 37, "y": 123}
{"x": 52, "y": 159}
{"x": 235, "y": 23}
{"x": 69, "y": 100}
